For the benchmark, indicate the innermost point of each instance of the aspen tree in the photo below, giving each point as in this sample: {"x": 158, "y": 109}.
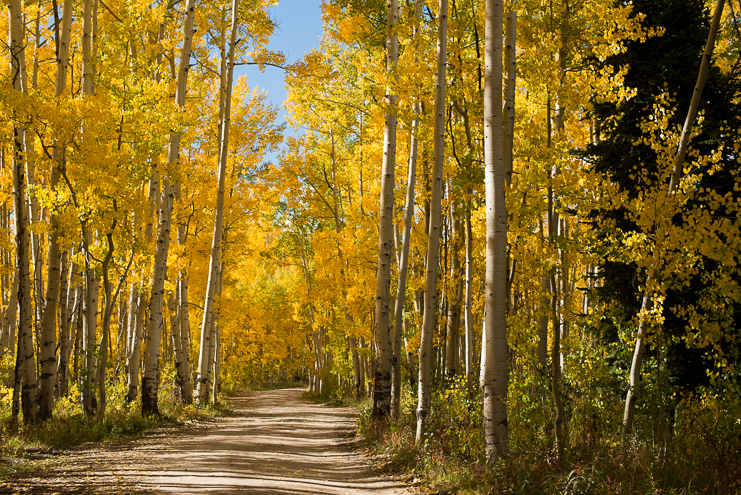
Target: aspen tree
{"x": 204, "y": 362}
{"x": 182, "y": 361}
{"x": 635, "y": 368}
{"x": 454, "y": 298}
{"x": 495, "y": 342}
{"x": 182, "y": 364}
{"x": 54, "y": 257}
{"x": 90, "y": 304}
{"x": 404, "y": 255}
{"x": 67, "y": 322}
{"x": 150, "y": 375}
{"x": 384, "y": 348}
{"x": 433, "y": 241}
{"x": 26, "y": 381}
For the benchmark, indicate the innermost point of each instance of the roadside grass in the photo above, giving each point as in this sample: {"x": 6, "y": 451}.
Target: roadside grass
{"x": 699, "y": 453}
{"x": 29, "y": 448}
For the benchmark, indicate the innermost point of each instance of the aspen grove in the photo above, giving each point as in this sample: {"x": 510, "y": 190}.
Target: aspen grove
{"x": 514, "y": 228}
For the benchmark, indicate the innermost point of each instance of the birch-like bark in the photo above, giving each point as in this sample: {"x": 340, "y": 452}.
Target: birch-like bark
{"x": 10, "y": 321}
{"x": 635, "y": 368}
{"x": 135, "y": 359}
{"x": 400, "y": 301}
{"x": 90, "y": 305}
{"x": 386, "y": 255}
{"x": 433, "y": 241}
{"x": 495, "y": 343}
{"x": 204, "y": 361}
{"x": 468, "y": 320}
{"x": 54, "y": 258}
{"x": 454, "y": 301}
{"x": 90, "y": 311}
{"x": 510, "y": 91}
{"x": 110, "y": 303}
{"x": 25, "y": 375}
{"x": 68, "y": 322}
{"x": 183, "y": 366}
{"x": 404, "y": 263}
{"x": 182, "y": 362}
{"x": 150, "y": 375}
{"x": 216, "y": 347}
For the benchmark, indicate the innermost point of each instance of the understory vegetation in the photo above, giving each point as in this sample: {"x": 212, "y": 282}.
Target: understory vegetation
{"x": 70, "y": 427}
{"x": 695, "y": 450}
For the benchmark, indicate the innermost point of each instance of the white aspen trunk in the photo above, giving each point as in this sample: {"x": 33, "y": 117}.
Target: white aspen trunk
{"x": 131, "y": 324}
{"x": 469, "y": 298}
{"x": 121, "y": 338}
{"x": 135, "y": 361}
{"x": 33, "y": 203}
{"x": 361, "y": 365}
{"x": 49, "y": 317}
{"x": 453, "y": 325}
{"x": 177, "y": 342}
{"x": 90, "y": 305}
{"x": 386, "y": 256}
{"x": 510, "y": 91}
{"x": 204, "y": 360}
{"x": 353, "y": 344}
{"x": 404, "y": 263}
{"x": 556, "y": 369}
{"x": 67, "y": 321}
{"x": 10, "y": 321}
{"x": 216, "y": 347}
{"x": 184, "y": 316}
{"x": 183, "y": 364}
{"x": 90, "y": 310}
{"x": 400, "y": 301}
{"x": 26, "y": 375}
{"x": 339, "y": 225}
{"x": 110, "y": 304}
{"x": 542, "y": 349}
{"x": 150, "y": 375}
{"x": 433, "y": 241}
{"x": 183, "y": 308}
{"x": 635, "y": 368}
{"x": 62, "y": 322}
{"x": 495, "y": 343}
{"x": 216, "y": 363}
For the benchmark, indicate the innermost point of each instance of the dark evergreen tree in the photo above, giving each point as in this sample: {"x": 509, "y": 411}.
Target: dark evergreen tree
{"x": 662, "y": 65}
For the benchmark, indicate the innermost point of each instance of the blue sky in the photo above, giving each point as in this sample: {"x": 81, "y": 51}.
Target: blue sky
{"x": 299, "y": 28}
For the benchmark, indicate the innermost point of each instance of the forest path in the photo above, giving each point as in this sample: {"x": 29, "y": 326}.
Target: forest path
{"x": 279, "y": 443}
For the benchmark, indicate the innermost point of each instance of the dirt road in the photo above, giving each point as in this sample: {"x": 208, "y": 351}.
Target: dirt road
{"x": 279, "y": 444}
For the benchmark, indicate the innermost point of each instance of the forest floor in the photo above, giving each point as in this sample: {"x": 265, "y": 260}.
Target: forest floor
{"x": 276, "y": 443}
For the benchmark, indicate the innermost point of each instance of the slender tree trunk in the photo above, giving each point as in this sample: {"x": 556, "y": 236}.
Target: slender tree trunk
{"x": 556, "y": 369}
{"x": 404, "y": 263}
{"x": 495, "y": 344}
{"x": 384, "y": 347}
{"x": 150, "y": 376}
{"x": 90, "y": 310}
{"x": 454, "y": 302}
{"x": 49, "y": 317}
{"x": 433, "y": 241}
{"x": 68, "y": 322}
{"x": 204, "y": 361}
{"x": 470, "y": 377}
{"x": 135, "y": 361}
{"x": 510, "y": 91}
{"x": 182, "y": 364}
{"x": 635, "y": 368}
{"x": 25, "y": 362}
{"x": 10, "y": 321}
